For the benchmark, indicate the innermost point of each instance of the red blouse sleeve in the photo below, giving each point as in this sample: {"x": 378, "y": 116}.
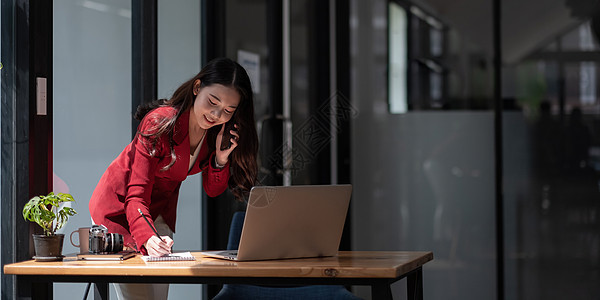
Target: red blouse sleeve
{"x": 214, "y": 180}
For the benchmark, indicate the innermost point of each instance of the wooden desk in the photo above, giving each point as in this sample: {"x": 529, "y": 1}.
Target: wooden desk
{"x": 374, "y": 268}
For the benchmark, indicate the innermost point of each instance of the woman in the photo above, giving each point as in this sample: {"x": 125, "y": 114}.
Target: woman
{"x": 177, "y": 138}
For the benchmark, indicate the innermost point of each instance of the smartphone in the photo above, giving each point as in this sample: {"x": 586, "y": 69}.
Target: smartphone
{"x": 226, "y": 140}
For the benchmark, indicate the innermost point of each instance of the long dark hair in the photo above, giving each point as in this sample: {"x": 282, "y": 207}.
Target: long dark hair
{"x": 228, "y": 73}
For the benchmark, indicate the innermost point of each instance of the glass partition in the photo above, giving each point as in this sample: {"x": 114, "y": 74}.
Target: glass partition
{"x": 424, "y": 179}
{"x": 1, "y": 160}
{"x": 179, "y": 38}
{"x": 552, "y": 150}
{"x": 92, "y": 102}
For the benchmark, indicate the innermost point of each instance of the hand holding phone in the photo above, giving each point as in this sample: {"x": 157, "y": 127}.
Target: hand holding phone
{"x": 227, "y": 136}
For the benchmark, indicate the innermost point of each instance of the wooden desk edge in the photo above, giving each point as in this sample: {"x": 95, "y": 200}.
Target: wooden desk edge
{"x": 26, "y": 267}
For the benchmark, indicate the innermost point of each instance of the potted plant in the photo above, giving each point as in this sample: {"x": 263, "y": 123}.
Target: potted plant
{"x": 44, "y": 210}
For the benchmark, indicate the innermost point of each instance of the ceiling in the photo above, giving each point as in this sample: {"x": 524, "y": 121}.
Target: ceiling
{"x": 526, "y": 24}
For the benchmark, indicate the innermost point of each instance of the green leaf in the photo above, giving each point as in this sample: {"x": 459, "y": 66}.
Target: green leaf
{"x": 44, "y": 210}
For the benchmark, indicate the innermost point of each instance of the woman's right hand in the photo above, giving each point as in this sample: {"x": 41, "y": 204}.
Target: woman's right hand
{"x": 158, "y": 247}
{"x": 222, "y": 156}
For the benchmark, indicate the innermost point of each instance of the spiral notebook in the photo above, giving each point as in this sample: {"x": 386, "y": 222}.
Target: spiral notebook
{"x": 181, "y": 256}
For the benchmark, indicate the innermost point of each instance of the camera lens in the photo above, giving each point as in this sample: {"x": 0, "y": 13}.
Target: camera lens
{"x": 114, "y": 242}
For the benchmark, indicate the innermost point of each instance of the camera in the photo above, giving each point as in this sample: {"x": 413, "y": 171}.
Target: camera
{"x": 101, "y": 241}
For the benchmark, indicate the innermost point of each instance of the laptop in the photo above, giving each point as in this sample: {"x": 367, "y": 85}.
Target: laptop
{"x": 291, "y": 222}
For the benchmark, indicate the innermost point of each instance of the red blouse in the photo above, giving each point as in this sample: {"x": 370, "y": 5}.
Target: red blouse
{"x": 135, "y": 180}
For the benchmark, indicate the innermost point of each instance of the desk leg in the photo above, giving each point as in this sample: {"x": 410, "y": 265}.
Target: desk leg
{"x": 28, "y": 289}
{"x": 381, "y": 291}
{"x": 415, "y": 284}
{"x": 42, "y": 290}
{"x": 38, "y": 290}
{"x": 100, "y": 291}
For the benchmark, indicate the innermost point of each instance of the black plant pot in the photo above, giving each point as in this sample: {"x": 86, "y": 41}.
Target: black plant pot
{"x": 48, "y": 248}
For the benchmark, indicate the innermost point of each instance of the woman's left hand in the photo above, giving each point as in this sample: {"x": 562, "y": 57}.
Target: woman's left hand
{"x": 222, "y": 156}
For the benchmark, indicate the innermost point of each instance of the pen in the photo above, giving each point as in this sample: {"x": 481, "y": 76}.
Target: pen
{"x": 153, "y": 229}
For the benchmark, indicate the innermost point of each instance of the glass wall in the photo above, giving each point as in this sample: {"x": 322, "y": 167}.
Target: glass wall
{"x": 436, "y": 141}
{"x": 179, "y": 60}
{"x": 552, "y": 149}
{"x": 246, "y": 36}
{"x": 311, "y": 128}
{"x": 423, "y": 154}
{"x": 92, "y": 102}
{"x": 1, "y": 160}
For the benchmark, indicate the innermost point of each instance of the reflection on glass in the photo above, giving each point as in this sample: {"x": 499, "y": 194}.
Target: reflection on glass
{"x": 587, "y": 84}
{"x": 397, "y": 59}
{"x": 424, "y": 180}
{"x": 552, "y": 174}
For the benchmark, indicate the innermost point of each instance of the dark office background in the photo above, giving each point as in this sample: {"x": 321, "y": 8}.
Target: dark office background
{"x": 468, "y": 128}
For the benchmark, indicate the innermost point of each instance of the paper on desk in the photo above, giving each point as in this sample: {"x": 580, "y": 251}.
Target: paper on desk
{"x": 170, "y": 257}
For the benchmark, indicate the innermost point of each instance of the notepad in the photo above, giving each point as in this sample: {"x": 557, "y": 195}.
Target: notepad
{"x": 182, "y": 256}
